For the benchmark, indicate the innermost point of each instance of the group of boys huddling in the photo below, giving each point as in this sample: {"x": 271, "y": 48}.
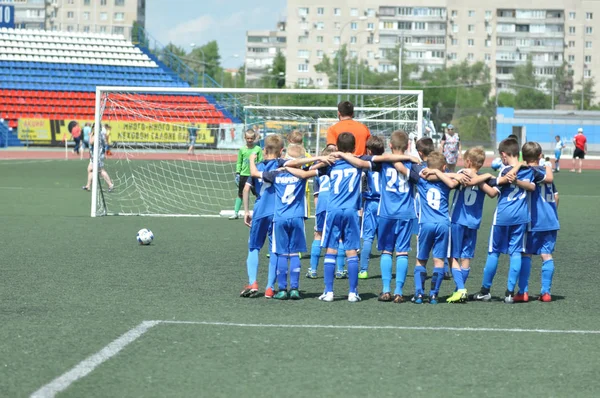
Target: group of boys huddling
{"x": 403, "y": 195}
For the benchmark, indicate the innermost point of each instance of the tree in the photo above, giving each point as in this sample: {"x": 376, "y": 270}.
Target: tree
{"x": 176, "y": 50}
{"x": 276, "y": 76}
{"x": 208, "y": 55}
{"x": 588, "y": 94}
{"x": 526, "y": 84}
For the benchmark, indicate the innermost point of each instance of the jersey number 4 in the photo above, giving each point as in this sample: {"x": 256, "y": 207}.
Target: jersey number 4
{"x": 288, "y": 195}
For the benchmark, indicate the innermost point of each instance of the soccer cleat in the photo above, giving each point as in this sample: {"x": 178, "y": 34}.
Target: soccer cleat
{"x": 85, "y": 188}
{"x": 521, "y": 297}
{"x": 110, "y": 189}
{"x": 250, "y": 290}
{"x": 300, "y": 256}
{"x": 433, "y": 299}
{"x": 340, "y": 275}
{"x": 353, "y": 297}
{"x": 269, "y": 293}
{"x": 268, "y": 255}
{"x": 311, "y": 274}
{"x": 459, "y": 296}
{"x": 418, "y": 299}
{"x": 328, "y": 296}
{"x": 363, "y": 275}
{"x": 384, "y": 296}
{"x": 509, "y": 297}
{"x": 234, "y": 217}
{"x": 447, "y": 276}
{"x": 398, "y": 299}
{"x": 281, "y": 295}
{"x": 295, "y": 294}
{"x": 482, "y": 296}
{"x": 546, "y": 298}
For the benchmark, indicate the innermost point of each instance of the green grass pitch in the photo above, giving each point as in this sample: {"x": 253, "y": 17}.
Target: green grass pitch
{"x": 70, "y": 285}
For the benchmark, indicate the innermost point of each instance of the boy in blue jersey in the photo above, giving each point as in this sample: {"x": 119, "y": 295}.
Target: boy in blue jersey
{"x": 434, "y": 225}
{"x": 261, "y": 221}
{"x": 321, "y": 187}
{"x": 465, "y": 214}
{"x": 543, "y": 228}
{"x": 371, "y": 195}
{"x": 510, "y": 222}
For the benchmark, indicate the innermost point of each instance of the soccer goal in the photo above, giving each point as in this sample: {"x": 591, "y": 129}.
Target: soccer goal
{"x": 156, "y": 170}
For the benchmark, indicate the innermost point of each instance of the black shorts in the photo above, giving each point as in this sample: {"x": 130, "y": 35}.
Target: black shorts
{"x": 243, "y": 180}
{"x": 578, "y": 153}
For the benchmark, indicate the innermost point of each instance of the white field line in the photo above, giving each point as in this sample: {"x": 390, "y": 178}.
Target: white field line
{"x": 367, "y": 327}
{"x": 86, "y": 366}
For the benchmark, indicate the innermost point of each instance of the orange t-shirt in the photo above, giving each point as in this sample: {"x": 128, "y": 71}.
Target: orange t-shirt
{"x": 360, "y": 132}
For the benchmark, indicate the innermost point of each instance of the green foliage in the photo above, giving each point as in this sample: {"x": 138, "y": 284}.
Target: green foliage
{"x": 276, "y": 76}
{"x": 176, "y": 50}
{"x": 528, "y": 95}
{"x": 588, "y": 94}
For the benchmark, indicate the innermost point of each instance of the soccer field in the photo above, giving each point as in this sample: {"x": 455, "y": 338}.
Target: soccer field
{"x": 85, "y": 311}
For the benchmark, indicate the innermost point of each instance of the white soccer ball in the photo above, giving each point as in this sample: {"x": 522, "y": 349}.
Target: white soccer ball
{"x": 497, "y": 164}
{"x": 145, "y": 236}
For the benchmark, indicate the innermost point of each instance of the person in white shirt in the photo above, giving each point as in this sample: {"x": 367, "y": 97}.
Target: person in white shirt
{"x": 557, "y": 152}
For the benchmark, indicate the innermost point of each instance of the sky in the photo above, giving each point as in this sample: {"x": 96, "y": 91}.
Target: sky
{"x": 183, "y": 22}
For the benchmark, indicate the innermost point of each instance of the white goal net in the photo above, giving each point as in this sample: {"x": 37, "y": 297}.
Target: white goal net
{"x": 155, "y": 170}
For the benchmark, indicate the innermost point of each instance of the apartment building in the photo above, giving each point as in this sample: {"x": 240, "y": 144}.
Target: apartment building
{"x": 434, "y": 33}
{"x": 261, "y": 48}
{"x": 95, "y": 16}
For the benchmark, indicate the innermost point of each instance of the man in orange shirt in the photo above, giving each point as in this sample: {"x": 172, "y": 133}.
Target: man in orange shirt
{"x": 360, "y": 132}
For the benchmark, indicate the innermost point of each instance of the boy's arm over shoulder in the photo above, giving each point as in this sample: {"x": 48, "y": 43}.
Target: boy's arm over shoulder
{"x": 353, "y": 160}
{"x": 303, "y": 174}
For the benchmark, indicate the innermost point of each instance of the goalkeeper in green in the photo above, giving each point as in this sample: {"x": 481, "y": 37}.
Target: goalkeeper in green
{"x": 242, "y": 168}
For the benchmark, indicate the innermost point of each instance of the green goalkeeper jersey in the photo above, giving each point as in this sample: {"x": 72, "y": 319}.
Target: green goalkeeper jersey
{"x": 242, "y": 166}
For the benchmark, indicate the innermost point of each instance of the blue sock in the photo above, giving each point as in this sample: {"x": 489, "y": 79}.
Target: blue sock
{"x": 420, "y": 274}
{"x": 489, "y": 271}
{"x": 524, "y": 274}
{"x": 365, "y": 253}
{"x": 329, "y": 271}
{"x": 386, "y": 271}
{"x": 272, "y": 270}
{"x": 353, "y": 273}
{"x": 547, "y": 274}
{"x": 294, "y": 272}
{"x": 514, "y": 271}
{"x": 315, "y": 254}
{"x": 282, "y": 271}
{"x": 401, "y": 271}
{"x": 436, "y": 281}
{"x": 252, "y": 265}
{"x": 458, "y": 278}
{"x": 341, "y": 258}
{"x": 465, "y": 274}
{"x": 446, "y": 266}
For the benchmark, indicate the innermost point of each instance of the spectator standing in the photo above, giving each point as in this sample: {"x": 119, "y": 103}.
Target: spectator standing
{"x": 76, "y": 134}
{"x": 192, "y": 134}
{"x": 451, "y": 148}
{"x": 86, "y": 131}
{"x": 346, "y": 124}
{"x": 580, "y": 142}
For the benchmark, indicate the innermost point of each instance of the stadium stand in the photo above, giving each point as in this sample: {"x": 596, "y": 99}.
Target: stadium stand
{"x": 53, "y": 75}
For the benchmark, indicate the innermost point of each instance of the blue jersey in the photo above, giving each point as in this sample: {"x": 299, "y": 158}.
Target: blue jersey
{"x": 544, "y": 214}
{"x": 265, "y": 191}
{"x": 344, "y": 191}
{"x": 291, "y": 195}
{"x": 373, "y": 186}
{"x": 467, "y": 206}
{"x": 433, "y": 202}
{"x": 321, "y": 187}
{"x": 398, "y": 191}
{"x": 513, "y": 203}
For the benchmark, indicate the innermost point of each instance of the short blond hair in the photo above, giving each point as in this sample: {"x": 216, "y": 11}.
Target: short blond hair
{"x": 295, "y": 137}
{"x": 476, "y": 156}
{"x": 436, "y": 160}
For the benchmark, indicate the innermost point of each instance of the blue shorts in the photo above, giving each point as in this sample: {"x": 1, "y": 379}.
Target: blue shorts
{"x": 341, "y": 224}
{"x": 507, "y": 239}
{"x": 540, "y": 242}
{"x": 259, "y": 230}
{"x": 432, "y": 237}
{"x": 395, "y": 235}
{"x": 369, "y": 219}
{"x": 320, "y": 221}
{"x": 462, "y": 241}
{"x": 289, "y": 236}
{"x": 557, "y": 153}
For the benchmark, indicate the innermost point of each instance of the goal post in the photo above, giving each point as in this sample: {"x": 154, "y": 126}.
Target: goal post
{"x": 152, "y": 171}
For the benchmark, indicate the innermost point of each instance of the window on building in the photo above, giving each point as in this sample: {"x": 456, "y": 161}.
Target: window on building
{"x": 103, "y": 3}
{"x": 405, "y": 11}
{"x": 571, "y": 43}
{"x": 319, "y": 39}
{"x": 303, "y": 53}
{"x": 370, "y": 26}
{"x": 404, "y": 25}
{"x": 455, "y": 42}
{"x": 119, "y": 2}
{"x": 103, "y": 16}
{"x": 319, "y": 53}
{"x": 303, "y": 67}
{"x": 587, "y": 73}
{"x": 70, "y": 28}
{"x": 488, "y": 43}
{"x": 302, "y": 39}
{"x": 370, "y": 54}
{"x": 471, "y": 28}
{"x": 589, "y": 16}
{"x": 320, "y": 81}
{"x": 86, "y": 16}
{"x": 471, "y": 13}
{"x": 86, "y": 28}
{"x": 102, "y": 29}
{"x": 454, "y": 13}
{"x": 571, "y": 58}
{"x": 470, "y": 42}
{"x": 353, "y": 25}
{"x": 455, "y": 28}
{"x": 487, "y": 57}
{"x": 353, "y": 54}
{"x": 303, "y": 11}
{"x": 354, "y": 12}
{"x": 86, "y": 3}
{"x": 588, "y": 59}
{"x": 118, "y": 30}
{"x": 571, "y": 15}
{"x": 70, "y": 15}
{"x": 320, "y": 11}
{"x": 572, "y": 30}
{"x": 589, "y": 30}
{"x": 488, "y": 14}
{"x": 353, "y": 39}
{"x": 370, "y": 12}
{"x": 588, "y": 44}
{"x": 303, "y": 81}
{"x": 119, "y": 16}
{"x": 370, "y": 39}
{"x": 470, "y": 56}
{"x": 452, "y": 56}
{"x": 419, "y": 26}
{"x": 337, "y": 12}
{"x": 320, "y": 25}
{"x": 336, "y": 40}
{"x": 336, "y": 25}
{"x": 388, "y": 25}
